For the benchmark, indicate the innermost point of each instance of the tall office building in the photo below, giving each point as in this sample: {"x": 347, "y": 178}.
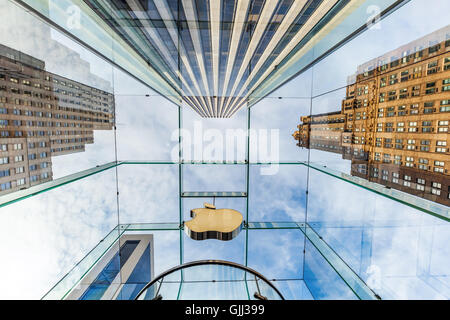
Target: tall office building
{"x": 393, "y": 124}
{"x": 43, "y": 115}
{"x": 221, "y": 55}
{"x": 121, "y": 273}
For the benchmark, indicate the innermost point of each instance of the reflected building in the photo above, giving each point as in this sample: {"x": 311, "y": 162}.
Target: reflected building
{"x": 394, "y": 121}
{"x": 43, "y": 115}
{"x": 121, "y": 273}
{"x": 218, "y": 54}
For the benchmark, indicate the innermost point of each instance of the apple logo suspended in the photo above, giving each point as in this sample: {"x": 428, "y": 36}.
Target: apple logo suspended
{"x": 212, "y": 223}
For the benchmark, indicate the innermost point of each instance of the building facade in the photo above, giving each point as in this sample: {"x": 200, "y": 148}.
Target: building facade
{"x": 43, "y": 115}
{"x": 121, "y": 273}
{"x": 394, "y": 121}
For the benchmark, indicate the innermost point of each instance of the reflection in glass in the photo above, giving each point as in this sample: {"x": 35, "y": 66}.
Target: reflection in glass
{"x": 394, "y": 120}
{"x": 43, "y": 115}
{"x": 146, "y": 77}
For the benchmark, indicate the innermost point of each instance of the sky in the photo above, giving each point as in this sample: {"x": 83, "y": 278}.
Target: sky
{"x": 400, "y": 250}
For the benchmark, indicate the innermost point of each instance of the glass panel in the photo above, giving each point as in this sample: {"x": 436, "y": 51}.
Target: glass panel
{"x": 75, "y": 17}
{"x": 56, "y": 101}
{"x": 55, "y": 230}
{"x": 294, "y": 289}
{"x": 321, "y": 279}
{"x": 285, "y": 185}
{"x": 212, "y": 249}
{"x": 214, "y": 178}
{"x": 271, "y": 137}
{"x": 260, "y": 290}
{"x": 148, "y": 194}
{"x": 225, "y": 290}
{"x": 276, "y": 254}
{"x": 361, "y": 290}
{"x": 146, "y": 128}
{"x": 338, "y": 20}
{"x": 217, "y": 140}
{"x": 299, "y": 88}
{"x": 170, "y": 290}
{"x": 336, "y": 70}
{"x": 376, "y": 243}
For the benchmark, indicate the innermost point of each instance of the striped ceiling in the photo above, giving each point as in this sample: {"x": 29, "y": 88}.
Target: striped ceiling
{"x": 217, "y": 53}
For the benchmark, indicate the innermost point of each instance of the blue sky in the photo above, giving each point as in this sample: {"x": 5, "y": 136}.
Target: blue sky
{"x": 54, "y": 230}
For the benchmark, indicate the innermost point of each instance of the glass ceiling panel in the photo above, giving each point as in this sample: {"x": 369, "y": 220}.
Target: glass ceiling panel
{"x": 341, "y": 20}
{"x": 206, "y": 139}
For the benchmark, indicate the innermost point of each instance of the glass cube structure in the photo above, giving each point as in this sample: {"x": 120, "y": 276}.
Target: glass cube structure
{"x": 324, "y": 123}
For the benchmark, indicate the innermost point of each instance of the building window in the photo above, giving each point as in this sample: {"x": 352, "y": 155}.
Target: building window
{"x": 436, "y": 191}
{"x": 5, "y": 186}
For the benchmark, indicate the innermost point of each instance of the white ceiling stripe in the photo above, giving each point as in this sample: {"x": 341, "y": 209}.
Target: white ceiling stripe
{"x": 166, "y": 16}
{"x": 238, "y": 25}
{"x": 318, "y": 14}
{"x": 191, "y": 17}
{"x": 215, "y": 17}
{"x": 288, "y": 20}
{"x": 263, "y": 21}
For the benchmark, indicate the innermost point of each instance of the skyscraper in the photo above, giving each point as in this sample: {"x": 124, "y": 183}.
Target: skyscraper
{"x": 394, "y": 122}
{"x": 216, "y": 54}
{"x": 43, "y": 115}
{"x": 121, "y": 273}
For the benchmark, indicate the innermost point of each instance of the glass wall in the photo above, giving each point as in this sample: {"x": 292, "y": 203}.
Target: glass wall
{"x": 340, "y": 175}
